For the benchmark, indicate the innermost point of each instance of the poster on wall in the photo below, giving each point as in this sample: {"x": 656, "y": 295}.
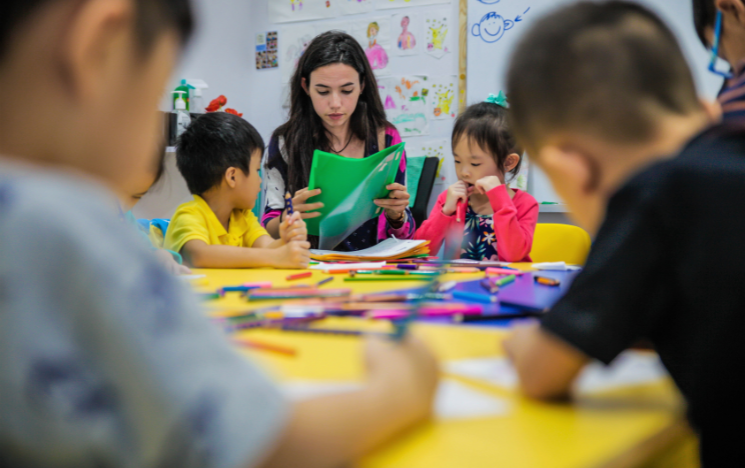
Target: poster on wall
{"x": 353, "y": 7}
{"x": 266, "y": 50}
{"x": 442, "y": 97}
{"x": 438, "y": 34}
{"x": 406, "y": 34}
{"x": 374, "y": 35}
{"x": 292, "y": 45}
{"x": 286, "y": 11}
{"x": 404, "y": 99}
{"x": 383, "y": 4}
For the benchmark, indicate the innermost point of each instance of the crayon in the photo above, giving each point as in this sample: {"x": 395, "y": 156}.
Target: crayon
{"x": 504, "y": 271}
{"x": 259, "y": 285}
{"x": 324, "y": 281}
{"x": 489, "y": 286}
{"x": 546, "y": 281}
{"x": 387, "y": 278}
{"x": 475, "y": 297}
{"x": 297, "y": 276}
{"x": 407, "y": 266}
{"x": 288, "y": 204}
{"x": 504, "y": 280}
{"x": 253, "y": 344}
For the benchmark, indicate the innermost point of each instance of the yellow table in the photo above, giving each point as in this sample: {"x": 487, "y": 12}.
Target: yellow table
{"x": 641, "y": 426}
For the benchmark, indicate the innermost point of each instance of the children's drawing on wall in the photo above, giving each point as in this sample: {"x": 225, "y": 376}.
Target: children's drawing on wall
{"x": 292, "y": 46}
{"x": 439, "y": 149}
{"x": 374, "y": 35}
{"x": 383, "y": 4}
{"x": 492, "y": 26}
{"x": 407, "y": 29}
{"x": 437, "y": 34}
{"x": 375, "y": 53}
{"x": 404, "y": 99}
{"x": 442, "y": 97}
{"x": 285, "y": 11}
{"x": 353, "y": 7}
{"x": 489, "y": 2}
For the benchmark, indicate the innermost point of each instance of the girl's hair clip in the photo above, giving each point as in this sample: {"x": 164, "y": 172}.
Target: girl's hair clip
{"x": 499, "y": 99}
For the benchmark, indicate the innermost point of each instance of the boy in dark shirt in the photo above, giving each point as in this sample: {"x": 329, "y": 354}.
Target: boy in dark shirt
{"x": 602, "y": 97}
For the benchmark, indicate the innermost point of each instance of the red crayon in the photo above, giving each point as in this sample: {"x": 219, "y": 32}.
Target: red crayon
{"x": 297, "y": 276}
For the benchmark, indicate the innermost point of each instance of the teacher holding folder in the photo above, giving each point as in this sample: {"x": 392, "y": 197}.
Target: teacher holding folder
{"x": 335, "y": 107}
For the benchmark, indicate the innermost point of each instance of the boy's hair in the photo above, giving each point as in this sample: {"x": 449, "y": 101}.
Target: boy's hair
{"x": 486, "y": 124}
{"x": 704, "y": 15}
{"x": 607, "y": 68}
{"x": 153, "y": 16}
{"x": 211, "y": 145}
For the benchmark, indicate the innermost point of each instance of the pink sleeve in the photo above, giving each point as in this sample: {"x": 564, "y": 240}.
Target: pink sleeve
{"x": 269, "y": 215}
{"x": 407, "y": 230}
{"x": 514, "y": 223}
{"x": 436, "y": 227}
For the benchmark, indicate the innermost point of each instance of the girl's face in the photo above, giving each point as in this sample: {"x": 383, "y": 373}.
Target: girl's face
{"x": 473, "y": 163}
{"x": 334, "y": 91}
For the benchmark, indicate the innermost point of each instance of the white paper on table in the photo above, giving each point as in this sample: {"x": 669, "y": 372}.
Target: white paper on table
{"x": 630, "y": 368}
{"x": 348, "y": 266}
{"x": 453, "y": 401}
{"x": 190, "y": 277}
{"x": 387, "y": 248}
{"x": 555, "y": 266}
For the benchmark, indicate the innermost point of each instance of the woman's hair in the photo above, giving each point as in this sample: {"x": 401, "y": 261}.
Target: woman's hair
{"x": 304, "y": 131}
{"x": 486, "y": 125}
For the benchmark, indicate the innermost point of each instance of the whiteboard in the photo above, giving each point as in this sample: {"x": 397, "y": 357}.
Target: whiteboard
{"x": 488, "y": 55}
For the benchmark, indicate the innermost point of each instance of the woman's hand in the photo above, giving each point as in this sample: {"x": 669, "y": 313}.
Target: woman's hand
{"x": 396, "y": 203}
{"x": 306, "y": 209}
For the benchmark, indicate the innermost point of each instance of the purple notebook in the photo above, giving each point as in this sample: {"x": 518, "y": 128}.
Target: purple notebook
{"x": 524, "y": 292}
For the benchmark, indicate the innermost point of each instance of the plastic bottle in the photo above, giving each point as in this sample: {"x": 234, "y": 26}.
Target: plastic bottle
{"x": 183, "y": 119}
{"x": 197, "y": 87}
{"x": 182, "y": 88}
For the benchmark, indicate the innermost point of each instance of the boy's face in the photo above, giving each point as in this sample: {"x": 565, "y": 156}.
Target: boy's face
{"x": 473, "y": 163}
{"x": 575, "y": 174}
{"x": 248, "y": 187}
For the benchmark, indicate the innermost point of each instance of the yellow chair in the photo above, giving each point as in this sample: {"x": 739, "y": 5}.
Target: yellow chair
{"x": 560, "y": 243}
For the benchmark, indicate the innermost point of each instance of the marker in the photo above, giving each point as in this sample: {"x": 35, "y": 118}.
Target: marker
{"x": 504, "y": 271}
{"x": 475, "y": 297}
{"x": 297, "y": 276}
{"x": 547, "y": 281}
{"x": 457, "y": 211}
{"x": 407, "y": 266}
{"x": 505, "y": 280}
{"x": 266, "y": 346}
{"x": 489, "y": 286}
{"x": 260, "y": 285}
{"x": 387, "y": 278}
{"x": 324, "y": 281}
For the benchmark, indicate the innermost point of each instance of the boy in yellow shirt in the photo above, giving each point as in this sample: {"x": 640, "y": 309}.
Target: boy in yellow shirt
{"x": 219, "y": 156}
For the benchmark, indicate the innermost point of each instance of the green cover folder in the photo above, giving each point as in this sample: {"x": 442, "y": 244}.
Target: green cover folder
{"x": 348, "y": 188}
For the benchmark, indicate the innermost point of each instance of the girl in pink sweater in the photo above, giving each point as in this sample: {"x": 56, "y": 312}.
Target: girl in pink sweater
{"x": 487, "y": 219}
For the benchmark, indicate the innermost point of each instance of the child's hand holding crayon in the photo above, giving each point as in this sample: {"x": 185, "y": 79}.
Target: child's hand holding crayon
{"x": 458, "y": 192}
{"x": 294, "y": 254}
{"x": 293, "y": 228}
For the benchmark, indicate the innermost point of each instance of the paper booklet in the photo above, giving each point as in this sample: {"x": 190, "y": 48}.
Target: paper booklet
{"x": 389, "y": 249}
{"x": 349, "y": 187}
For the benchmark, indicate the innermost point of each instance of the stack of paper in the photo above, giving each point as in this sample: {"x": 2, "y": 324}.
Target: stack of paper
{"x": 389, "y": 249}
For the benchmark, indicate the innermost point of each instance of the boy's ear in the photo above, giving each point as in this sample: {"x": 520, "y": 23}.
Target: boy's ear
{"x": 735, "y": 8}
{"x": 230, "y": 177}
{"x": 84, "y": 51}
{"x": 510, "y": 162}
{"x": 571, "y": 168}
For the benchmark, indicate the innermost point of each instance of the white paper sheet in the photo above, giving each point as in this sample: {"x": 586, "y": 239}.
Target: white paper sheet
{"x": 285, "y": 11}
{"x": 555, "y": 266}
{"x": 374, "y": 35}
{"x": 438, "y": 33}
{"x": 353, "y": 7}
{"x": 453, "y": 401}
{"x": 292, "y": 44}
{"x": 629, "y": 369}
{"x": 348, "y": 266}
{"x": 387, "y": 248}
{"x": 407, "y": 38}
{"x": 405, "y": 103}
{"x": 383, "y": 4}
{"x": 443, "y": 97}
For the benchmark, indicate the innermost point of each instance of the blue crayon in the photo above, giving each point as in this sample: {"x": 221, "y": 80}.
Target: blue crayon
{"x": 474, "y": 297}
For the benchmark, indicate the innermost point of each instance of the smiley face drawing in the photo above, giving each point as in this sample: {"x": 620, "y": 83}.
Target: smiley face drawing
{"x": 491, "y": 28}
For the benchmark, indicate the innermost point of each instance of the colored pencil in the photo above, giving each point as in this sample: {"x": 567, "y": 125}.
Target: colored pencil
{"x": 502, "y": 281}
{"x": 324, "y": 281}
{"x": 288, "y": 204}
{"x": 475, "y": 297}
{"x": 546, "y": 281}
{"x": 266, "y": 346}
{"x": 504, "y": 271}
{"x": 387, "y": 278}
{"x": 297, "y": 276}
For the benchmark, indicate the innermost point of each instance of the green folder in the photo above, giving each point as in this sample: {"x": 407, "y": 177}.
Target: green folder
{"x": 349, "y": 187}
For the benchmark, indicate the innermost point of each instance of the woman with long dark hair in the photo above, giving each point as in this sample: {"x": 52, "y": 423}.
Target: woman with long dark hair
{"x": 335, "y": 107}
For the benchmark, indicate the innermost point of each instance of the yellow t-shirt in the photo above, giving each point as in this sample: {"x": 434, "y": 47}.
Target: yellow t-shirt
{"x": 195, "y": 220}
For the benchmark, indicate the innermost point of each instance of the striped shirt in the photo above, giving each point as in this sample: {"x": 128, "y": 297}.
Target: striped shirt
{"x": 732, "y": 97}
